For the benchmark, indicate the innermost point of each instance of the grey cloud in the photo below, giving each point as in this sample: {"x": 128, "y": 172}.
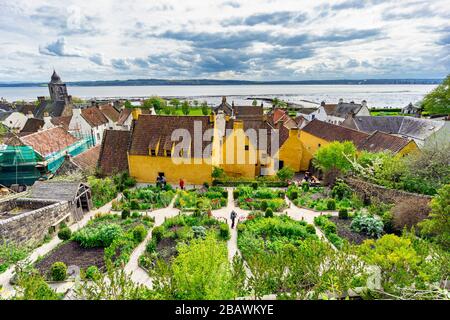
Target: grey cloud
{"x": 58, "y": 48}
{"x": 273, "y": 18}
{"x": 121, "y": 64}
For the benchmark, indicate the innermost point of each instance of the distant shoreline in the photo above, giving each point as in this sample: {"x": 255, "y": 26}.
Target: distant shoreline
{"x": 206, "y": 82}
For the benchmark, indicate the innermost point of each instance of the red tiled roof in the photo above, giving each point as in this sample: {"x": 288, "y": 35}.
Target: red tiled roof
{"x": 380, "y": 141}
{"x": 32, "y": 125}
{"x": 88, "y": 160}
{"x": 332, "y": 132}
{"x": 113, "y": 153}
{"x": 61, "y": 121}
{"x": 110, "y": 112}
{"x": 124, "y": 114}
{"x": 94, "y": 116}
{"x": 48, "y": 141}
{"x": 148, "y": 130}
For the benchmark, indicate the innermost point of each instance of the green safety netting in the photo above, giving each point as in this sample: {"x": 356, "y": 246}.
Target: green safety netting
{"x": 22, "y": 165}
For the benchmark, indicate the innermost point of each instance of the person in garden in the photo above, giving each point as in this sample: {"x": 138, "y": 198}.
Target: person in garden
{"x": 181, "y": 184}
{"x": 233, "y": 218}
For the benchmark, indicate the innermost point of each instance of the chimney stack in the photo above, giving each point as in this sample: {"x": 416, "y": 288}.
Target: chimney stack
{"x": 364, "y": 103}
{"x": 341, "y": 100}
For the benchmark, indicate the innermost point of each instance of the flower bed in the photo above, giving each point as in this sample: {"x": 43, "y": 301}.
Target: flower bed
{"x": 212, "y": 198}
{"x": 180, "y": 230}
{"x": 319, "y": 199}
{"x": 249, "y": 198}
{"x": 143, "y": 199}
{"x": 108, "y": 236}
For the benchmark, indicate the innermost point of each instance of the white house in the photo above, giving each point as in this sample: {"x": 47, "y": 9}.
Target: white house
{"x": 89, "y": 122}
{"x": 14, "y": 120}
{"x": 337, "y": 113}
{"x": 125, "y": 117}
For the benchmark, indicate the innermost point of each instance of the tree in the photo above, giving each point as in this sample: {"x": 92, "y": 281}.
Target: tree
{"x": 438, "y": 100}
{"x": 205, "y": 108}
{"x": 175, "y": 103}
{"x": 254, "y": 103}
{"x": 336, "y": 155}
{"x": 185, "y": 107}
{"x": 286, "y": 173}
{"x": 155, "y": 102}
{"x": 438, "y": 224}
{"x": 128, "y": 104}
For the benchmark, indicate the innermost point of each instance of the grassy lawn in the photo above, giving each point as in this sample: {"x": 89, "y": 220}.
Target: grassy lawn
{"x": 179, "y": 112}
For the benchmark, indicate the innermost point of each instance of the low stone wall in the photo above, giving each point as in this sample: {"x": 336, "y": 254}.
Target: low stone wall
{"x": 367, "y": 190}
{"x": 32, "y": 226}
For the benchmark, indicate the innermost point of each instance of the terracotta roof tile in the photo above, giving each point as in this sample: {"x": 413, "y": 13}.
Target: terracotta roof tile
{"x": 113, "y": 153}
{"x": 94, "y": 116}
{"x": 110, "y": 112}
{"x": 61, "y": 121}
{"x": 88, "y": 160}
{"x": 124, "y": 114}
{"x": 32, "y": 125}
{"x": 380, "y": 141}
{"x": 149, "y": 129}
{"x": 49, "y": 141}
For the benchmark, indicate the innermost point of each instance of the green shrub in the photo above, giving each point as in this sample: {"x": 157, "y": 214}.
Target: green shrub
{"x": 343, "y": 214}
{"x": 264, "y": 205}
{"x": 58, "y": 271}
{"x": 158, "y": 233}
{"x": 235, "y": 194}
{"x": 135, "y": 215}
{"x": 294, "y": 195}
{"x": 98, "y": 236}
{"x": 368, "y": 225}
{"x": 224, "y": 231}
{"x": 139, "y": 233}
{"x": 285, "y": 174}
{"x": 305, "y": 186}
{"x": 199, "y": 232}
{"x": 125, "y": 214}
{"x": 255, "y": 185}
{"x": 151, "y": 246}
{"x": 331, "y": 204}
{"x": 329, "y": 228}
{"x": 134, "y": 204}
{"x": 92, "y": 273}
{"x": 64, "y": 234}
{"x": 310, "y": 229}
{"x": 241, "y": 227}
{"x": 269, "y": 213}
{"x": 341, "y": 190}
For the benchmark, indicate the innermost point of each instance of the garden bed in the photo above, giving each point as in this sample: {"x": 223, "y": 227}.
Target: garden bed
{"x": 204, "y": 199}
{"x": 178, "y": 230}
{"x": 145, "y": 199}
{"x": 344, "y": 231}
{"x": 249, "y": 198}
{"x": 107, "y": 236}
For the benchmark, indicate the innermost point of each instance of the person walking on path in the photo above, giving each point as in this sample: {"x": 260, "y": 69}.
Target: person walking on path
{"x": 181, "y": 184}
{"x": 233, "y": 218}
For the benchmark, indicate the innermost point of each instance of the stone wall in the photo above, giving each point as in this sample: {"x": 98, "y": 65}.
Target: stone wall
{"x": 367, "y": 190}
{"x": 32, "y": 226}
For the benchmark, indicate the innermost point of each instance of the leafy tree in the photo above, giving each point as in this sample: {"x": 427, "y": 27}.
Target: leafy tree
{"x": 438, "y": 224}
{"x": 185, "y": 107}
{"x": 30, "y": 285}
{"x": 254, "y": 103}
{"x": 438, "y": 100}
{"x": 336, "y": 155}
{"x": 155, "y": 102}
{"x": 128, "y": 104}
{"x": 175, "y": 103}
{"x": 286, "y": 173}
{"x": 205, "y": 108}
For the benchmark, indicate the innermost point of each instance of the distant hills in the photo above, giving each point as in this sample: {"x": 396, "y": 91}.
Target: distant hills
{"x": 209, "y": 82}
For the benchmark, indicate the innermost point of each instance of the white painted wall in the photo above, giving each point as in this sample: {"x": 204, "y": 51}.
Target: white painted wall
{"x": 15, "y": 120}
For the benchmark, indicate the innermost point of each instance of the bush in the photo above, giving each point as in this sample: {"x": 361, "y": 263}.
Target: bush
{"x": 58, "y": 271}
{"x": 134, "y": 204}
{"x": 255, "y": 185}
{"x": 294, "y": 195}
{"x": 305, "y": 186}
{"x": 92, "y": 273}
{"x": 139, "y": 233}
{"x": 64, "y": 234}
{"x": 329, "y": 228}
{"x": 224, "y": 231}
{"x": 269, "y": 213}
{"x": 368, "y": 225}
{"x": 125, "y": 214}
{"x": 310, "y": 229}
{"x": 285, "y": 174}
{"x": 98, "y": 236}
{"x": 235, "y": 194}
{"x": 264, "y": 205}
{"x": 341, "y": 190}
{"x": 206, "y": 185}
{"x": 158, "y": 233}
{"x": 407, "y": 213}
{"x": 331, "y": 204}
{"x": 343, "y": 214}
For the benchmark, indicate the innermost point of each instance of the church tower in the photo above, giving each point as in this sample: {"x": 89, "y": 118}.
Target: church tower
{"x": 58, "y": 90}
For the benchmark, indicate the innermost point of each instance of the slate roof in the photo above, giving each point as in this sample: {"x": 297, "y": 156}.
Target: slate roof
{"x": 61, "y": 121}
{"x": 148, "y": 130}
{"x": 88, "y": 160}
{"x": 415, "y": 128}
{"x": 113, "y": 152}
{"x": 110, "y": 112}
{"x": 4, "y": 115}
{"x": 375, "y": 142}
{"x": 243, "y": 111}
{"x": 306, "y": 110}
{"x": 51, "y": 190}
{"x": 26, "y": 108}
{"x": 342, "y": 110}
{"x": 49, "y": 141}
{"x": 225, "y": 107}
{"x": 33, "y": 125}
{"x": 94, "y": 116}
{"x": 54, "y": 109}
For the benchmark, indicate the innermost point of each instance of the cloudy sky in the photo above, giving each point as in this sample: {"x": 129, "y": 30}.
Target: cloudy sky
{"x": 234, "y": 39}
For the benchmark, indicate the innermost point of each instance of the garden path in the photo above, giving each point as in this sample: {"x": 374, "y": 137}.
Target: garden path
{"x": 5, "y": 277}
{"x": 139, "y": 275}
